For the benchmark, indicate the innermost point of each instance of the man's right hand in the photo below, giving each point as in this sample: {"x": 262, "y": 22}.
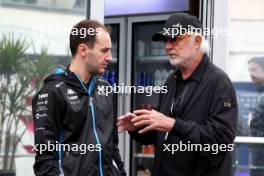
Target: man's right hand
{"x": 124, "y": 122}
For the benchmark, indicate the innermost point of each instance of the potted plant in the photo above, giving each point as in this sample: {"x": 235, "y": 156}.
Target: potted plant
{"x": 20, "y": 77}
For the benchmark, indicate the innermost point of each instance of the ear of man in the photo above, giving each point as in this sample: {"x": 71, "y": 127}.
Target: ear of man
{"x": 82, "y": 49}
{"x": 197, "y": 41}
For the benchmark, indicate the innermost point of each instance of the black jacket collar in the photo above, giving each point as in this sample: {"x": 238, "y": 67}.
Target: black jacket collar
{"x": 198, "y": 72}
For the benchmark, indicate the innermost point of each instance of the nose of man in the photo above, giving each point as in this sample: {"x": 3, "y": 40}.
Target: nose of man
{"x": 108, "y": 56}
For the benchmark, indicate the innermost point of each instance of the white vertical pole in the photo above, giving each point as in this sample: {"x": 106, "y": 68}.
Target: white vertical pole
{"x": 220, "y": 43}
{"x": 95, "y": 10}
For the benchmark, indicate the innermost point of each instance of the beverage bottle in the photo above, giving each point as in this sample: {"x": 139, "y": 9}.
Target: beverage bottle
{"x": 150, "y": 79}
{"x": 161, "y": 48}
{"x": 116, "y": 81}
{"x": 164, "y": 76}
{"x": 157, "y": 78}
{"x": 154, "y": 48}
{"x": 114, "y": 50}
{"x": 141, "y": 48}
{"x": 142, "y": 79}
{"x": 147, "y": 79}
{"x": 138, "y": 79}
{"x": 113, "y": 78}
{"x": 163, "y": 51}
{"x": 106, "y": 75}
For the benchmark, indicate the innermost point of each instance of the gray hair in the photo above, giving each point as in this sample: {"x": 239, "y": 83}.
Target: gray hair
{"x": 204, "y": 47}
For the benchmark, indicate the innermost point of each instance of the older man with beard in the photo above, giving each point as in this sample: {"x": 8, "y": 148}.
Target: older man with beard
{"x": 194, "y": 125}
{"x": 256, "y": 71}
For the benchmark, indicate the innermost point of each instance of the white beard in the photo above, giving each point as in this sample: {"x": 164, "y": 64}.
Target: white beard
{"x": 176, "y": 61}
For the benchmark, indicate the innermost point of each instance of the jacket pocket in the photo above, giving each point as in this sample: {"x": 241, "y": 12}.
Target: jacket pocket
{"x": 69, "y": 162}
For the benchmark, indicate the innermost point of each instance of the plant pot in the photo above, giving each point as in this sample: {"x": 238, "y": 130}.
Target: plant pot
{"x": 7, "y": 173}
{"x": 30, "y": 1}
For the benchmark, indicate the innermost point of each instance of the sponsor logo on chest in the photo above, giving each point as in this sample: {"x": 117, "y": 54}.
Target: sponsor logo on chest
{"x": 72, "y": 96}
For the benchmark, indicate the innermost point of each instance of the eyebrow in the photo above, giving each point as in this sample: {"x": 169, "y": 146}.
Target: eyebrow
{"x": 106, "y": 49}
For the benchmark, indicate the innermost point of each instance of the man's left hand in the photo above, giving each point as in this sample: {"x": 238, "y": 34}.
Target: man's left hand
{"x": 152, "y": 120}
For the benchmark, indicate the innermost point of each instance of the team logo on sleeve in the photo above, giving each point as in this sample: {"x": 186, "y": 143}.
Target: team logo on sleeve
{"x": 227, "y": 104}
{"x": 43, "y": 96}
